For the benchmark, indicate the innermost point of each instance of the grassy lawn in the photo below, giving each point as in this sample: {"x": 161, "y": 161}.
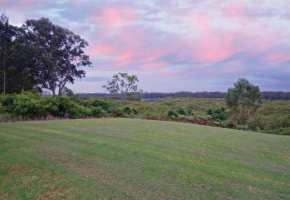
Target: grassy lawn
{"x": 140, "y": 159}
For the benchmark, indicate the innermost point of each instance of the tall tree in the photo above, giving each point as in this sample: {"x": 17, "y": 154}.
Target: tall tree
{"x": 124, "y": 85}
{"x": 7, "y": 48}
{"x": 59, "y": 53}
{"x": 243, "y": 99}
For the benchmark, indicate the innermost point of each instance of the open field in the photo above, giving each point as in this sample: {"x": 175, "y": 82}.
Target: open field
{"x": 140, "y": 159}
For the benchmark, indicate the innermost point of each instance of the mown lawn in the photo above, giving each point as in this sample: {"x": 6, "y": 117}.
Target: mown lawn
{"x": 140, "y": 159}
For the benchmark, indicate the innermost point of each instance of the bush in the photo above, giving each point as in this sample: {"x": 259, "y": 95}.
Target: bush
{"x": 284, "y": 121}
{"x": 26, "y": 106}
{"x": 217, "y": 114}
{"x": 172, "y": 114}
{"x": 119, "y": 112}
{"x": 63, "y": 107}
{"x": 282, "y": 131}
{"x": 113, "y": 108}
{"x": 7, "y": 102}
{"x": 127, "y": 110}
{"x": 135, "y": 112}
{"x": 181, "y": 111}
{"x": 104, "y": 104}
{"x": 97, "y": 111}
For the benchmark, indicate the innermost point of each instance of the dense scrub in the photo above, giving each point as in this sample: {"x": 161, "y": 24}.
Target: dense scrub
{"x": 270, "y": 117}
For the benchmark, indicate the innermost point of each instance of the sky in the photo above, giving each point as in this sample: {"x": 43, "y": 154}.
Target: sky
{"x": 174, "y": 45}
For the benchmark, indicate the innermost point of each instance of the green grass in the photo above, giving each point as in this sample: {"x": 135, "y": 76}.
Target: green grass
{"x": 140, "y": 159}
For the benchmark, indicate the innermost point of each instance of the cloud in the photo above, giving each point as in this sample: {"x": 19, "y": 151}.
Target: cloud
{"x": 210, "y": 41}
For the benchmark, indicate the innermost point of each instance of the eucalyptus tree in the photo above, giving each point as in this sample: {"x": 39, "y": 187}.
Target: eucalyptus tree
{"x": 243, "y": 99}
{"x": 125, "y": 86}
{"x": 8, "y": 35}
{"x": 59, "y": 53}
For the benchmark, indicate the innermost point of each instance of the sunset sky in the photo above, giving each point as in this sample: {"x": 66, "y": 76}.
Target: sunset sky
{"x": 174, "y": 45}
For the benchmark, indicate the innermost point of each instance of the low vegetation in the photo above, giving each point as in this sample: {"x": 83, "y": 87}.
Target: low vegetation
{"x": 271, "y": 117}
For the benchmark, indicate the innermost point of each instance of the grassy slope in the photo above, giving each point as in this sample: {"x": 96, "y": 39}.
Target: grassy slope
{"x": 139, "y": 159}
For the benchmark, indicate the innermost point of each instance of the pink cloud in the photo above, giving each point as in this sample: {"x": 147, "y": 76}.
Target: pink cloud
{"x": 100, "y": 50}
{"x": 115, "y": 17}
{"x": 154, "y": 65}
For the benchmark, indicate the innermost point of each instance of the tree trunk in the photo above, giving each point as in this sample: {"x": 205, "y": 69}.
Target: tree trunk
{"x": 4, "y": 73}
{"x": 53, "y": 92}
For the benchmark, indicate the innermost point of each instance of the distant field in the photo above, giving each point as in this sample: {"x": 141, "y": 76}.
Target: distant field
{"x": 140, "y": 159}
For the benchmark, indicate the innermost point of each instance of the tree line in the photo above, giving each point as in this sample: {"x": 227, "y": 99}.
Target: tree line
{"x": 215, "y": 95}
{"x": 39, "y": 54}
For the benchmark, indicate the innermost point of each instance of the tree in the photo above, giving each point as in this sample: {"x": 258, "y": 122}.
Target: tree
{"x": 124, "y": 85}
{"x": 59, "y": 53}
{"x": 67, "y": 92}
{"x": 243, "y": 99}
{"x": 7, "y": 49}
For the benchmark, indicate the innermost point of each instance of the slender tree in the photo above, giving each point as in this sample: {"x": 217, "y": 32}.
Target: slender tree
{"x": 7, "y": 48}
{"x": 124, "y": 85}
{"x": 243, "y": 99}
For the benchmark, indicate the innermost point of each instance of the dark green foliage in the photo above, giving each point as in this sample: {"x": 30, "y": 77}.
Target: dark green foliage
{"x": 60, "y": 106}
{"x": 243, "y": 100}
{"x": 282, "y": 131}
{"x": 271, "y": 117}
{"x": 39, "y": 54}
{"x": 119, "y": 112}
{"x": 135, "y": 112}
{"x": 217, "y": 114}
{"x": 17, "y": 67}
{"x": 104, "y": 104}
{"x": 181, "y": 111}
{"x": 284, "y": 121}
{"x": 113, "y": 108}
{"x": 172, "y": 114}
{"x": 29, "y": 105}
{"x": 189, "y": 112}
{"x": 127, "y": 110}
{"x": 130, "y": 111}
{"x": 32, "y": 105}
{"x": 97, "y": 111}
{"x": 7, "y": 102}
{"x": 58, "y": 52}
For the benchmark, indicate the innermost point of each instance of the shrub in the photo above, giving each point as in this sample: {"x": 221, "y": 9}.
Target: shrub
{"x": 217, "y": 114}
{"x": 284, "y": 121}
{"x": 113, "y": 108}
{"x": 135, "y": 112}
{"x": 127, "y": 110}
{"x": 104, "y": 104}
{"x": 172, "y": 114}
{"x": 7, "y": 102}
{"x": 282, "y": 131}
{"x": 77, "y": 111}
{"x": 97, "y": 111}
{"x": 28, "y": 104}
{"x": 181, "y": 111}
{"x": 63, "y": 107}
{"x": 119, "y": 112}
{"x": 189, "y": 112}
